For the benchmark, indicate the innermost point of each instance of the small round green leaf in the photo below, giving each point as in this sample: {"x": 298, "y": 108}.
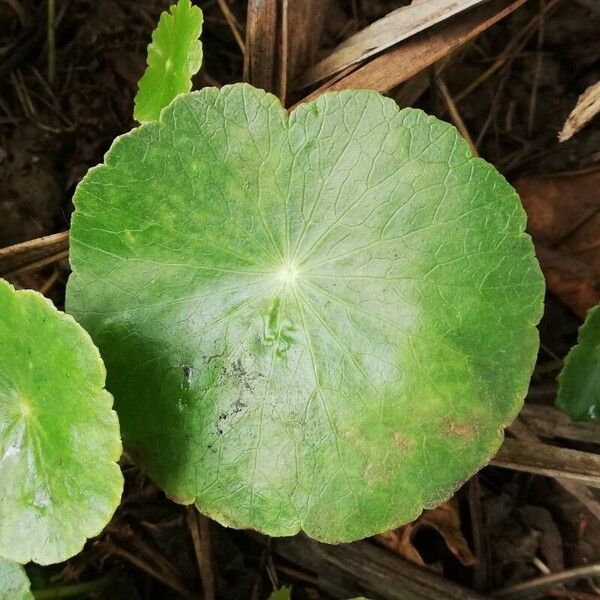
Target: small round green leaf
{"x": 316, "y": 321}
{"x": 579, "y": 389}
{"x": 14, "y": 583}
{"x": 59, "y": 437}
{"x": 174, "y": 56}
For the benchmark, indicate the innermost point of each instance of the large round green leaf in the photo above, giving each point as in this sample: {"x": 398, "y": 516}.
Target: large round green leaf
{"x": 59, "y": 437}
{"x": 14, "y": 583}
{"x": 319, "y": 321}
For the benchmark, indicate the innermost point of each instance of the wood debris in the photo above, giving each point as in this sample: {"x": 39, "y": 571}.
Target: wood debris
{"x": 396, "y": 26}
{"x": 587, "y": 107}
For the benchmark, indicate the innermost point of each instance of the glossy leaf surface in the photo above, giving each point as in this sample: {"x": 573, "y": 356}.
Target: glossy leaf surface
{"x": 319, "y": 321}
{"x": 14, "y": 583}
{"x": 59, "y": 437}
{"x": 579, "y": 390}
{"x": 174, "y": 56}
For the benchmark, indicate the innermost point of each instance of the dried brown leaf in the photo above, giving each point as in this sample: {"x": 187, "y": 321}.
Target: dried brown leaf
{"x": 282, "y": 38}
{"x": 563, "y": 213}
{"x": 399, "y": 541}
{"x": 396, "y": 26}
{"x": 260, "y": 59}
{"x": 587, "y": 107}
{"x": 445, "y": 519}
{"x": 416, "y": 54}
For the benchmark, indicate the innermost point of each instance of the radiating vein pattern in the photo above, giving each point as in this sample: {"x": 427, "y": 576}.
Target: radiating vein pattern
{"x": 319, "y": 321}
{"x": 59, "y": 437}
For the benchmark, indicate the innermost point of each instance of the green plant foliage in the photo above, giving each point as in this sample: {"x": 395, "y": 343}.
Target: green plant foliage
{"x": 59, "y": 437}
{"x": 14, "y": 583}
{"x": 174, "y": 56}
{"x": 319, "y": 321}
{"x": 579, "y": 389}
{"x": 284, "y": 593}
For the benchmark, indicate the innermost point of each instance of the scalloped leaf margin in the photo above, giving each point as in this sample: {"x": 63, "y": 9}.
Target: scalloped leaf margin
{"x": 174, "y": 56}
{"x": 316, "y": 321}
{"x": 59, "y": 437}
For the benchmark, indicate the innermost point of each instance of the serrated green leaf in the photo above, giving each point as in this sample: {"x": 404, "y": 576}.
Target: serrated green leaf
{"x": 59, "y": 437}
{"x": 579, "y": 389}
{"x": 319, "y": 321}
{"x": 14, "y": 583}
{"x": 284, "y": 593}
{"x": 174, "y": 56}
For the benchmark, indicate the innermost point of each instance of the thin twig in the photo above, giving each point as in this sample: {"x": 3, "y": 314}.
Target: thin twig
{"x": 34, "y": 253}
{"x": 51, "y": 38}
{"x": 154, "y": 556}
{"x": 522, "y": 432}
{"x": 261, "y": 567}
{"x": 43, "y": 262}
{"x": 551, "y": 461}
{"x": 19, "y": 11}
{"x": 75, "y": 589}
{"x": 455, "y": 114}
{"x": 493, "y": 108}
{"x": 199, "y": 527}
{"x": 233, "y": 24}
{"x": 49, "y": 283}
{"x": 22, "y": 94}
{"x": 514, "y": 46}
{"x": 165, "y": 578}
{"x": 539, "y": 587}
{"x": 292, "y": 573}
{"x": 29, "y": 41}
{"x": 284, "y": 55}
{"x": 537, "y": 70}
{"x": 572, "y": 595}
{"x": 479, "y": 538}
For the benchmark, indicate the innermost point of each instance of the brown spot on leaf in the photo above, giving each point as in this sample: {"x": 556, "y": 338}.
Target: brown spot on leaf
{"x": 461, "y": 429}
{"x": 401, "y": 441}
{"x": 374, "y": 474}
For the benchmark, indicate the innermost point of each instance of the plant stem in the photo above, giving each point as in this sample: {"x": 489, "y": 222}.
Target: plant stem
{"x": 51, "y": 38}
{"x": 68, "y": 591}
